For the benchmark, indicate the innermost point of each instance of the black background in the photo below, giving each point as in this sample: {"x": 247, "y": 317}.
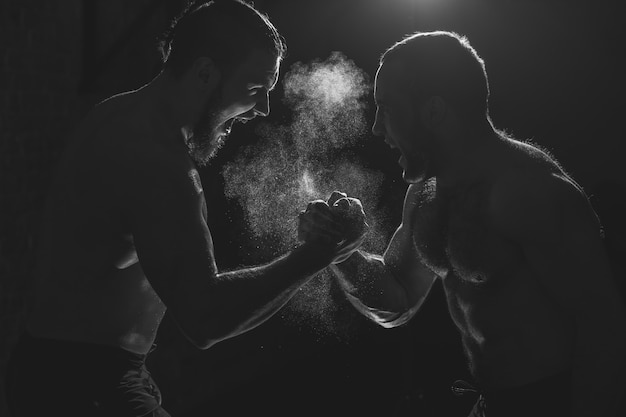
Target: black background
{"x": 556, "y": 76}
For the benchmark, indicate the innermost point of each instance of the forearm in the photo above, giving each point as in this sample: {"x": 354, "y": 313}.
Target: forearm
{"x": 236, "y": 301}
{"x": 599, "y": 368}
{"x": 373, "y": 290}
{"x": 259, "y": 292}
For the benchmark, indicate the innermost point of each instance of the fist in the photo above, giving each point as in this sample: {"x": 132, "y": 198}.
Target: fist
{"x": 349, "y": 213}
{"x": 317, "y": 224}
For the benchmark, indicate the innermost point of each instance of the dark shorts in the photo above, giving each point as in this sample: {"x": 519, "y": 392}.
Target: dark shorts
{"x": 548, "y": 397}
{"x": 53, "y": 377}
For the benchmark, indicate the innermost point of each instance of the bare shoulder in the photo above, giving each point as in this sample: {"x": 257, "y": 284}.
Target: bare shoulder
{"x": 127, "y": 150}
{"x": 534, "y": 176}
{"x": 535, "y": 194}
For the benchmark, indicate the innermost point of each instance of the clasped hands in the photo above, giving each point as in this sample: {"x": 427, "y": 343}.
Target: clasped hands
{"x": 337, "y": 224}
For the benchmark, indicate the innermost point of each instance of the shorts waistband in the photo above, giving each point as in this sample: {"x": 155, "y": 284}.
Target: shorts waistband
{"x": 561, "y": 380}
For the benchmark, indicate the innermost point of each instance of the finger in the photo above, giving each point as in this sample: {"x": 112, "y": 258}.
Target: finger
{"x": 318, "y": 238}
{"x": 303, "y": 235}
{"x": 323, "y": 218}
{"x": 313, "y": 225}
{"x": 342, "y": 204}
{"x": 356, "y": 202}
{"x": 318, "y": 205}
{"x": 336, "y": 195}
{"x": 324, "y": 236}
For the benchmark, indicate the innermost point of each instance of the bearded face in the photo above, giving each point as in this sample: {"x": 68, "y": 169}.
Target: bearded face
{"x": 242, "y": 94}
{"x": 398, "y": 120}
{"x": 209, "y": 133}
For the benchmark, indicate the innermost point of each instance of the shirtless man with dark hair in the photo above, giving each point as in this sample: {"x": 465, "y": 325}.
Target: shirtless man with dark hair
{"x": 125, "y": 234}
{"x": 511, "y": 236}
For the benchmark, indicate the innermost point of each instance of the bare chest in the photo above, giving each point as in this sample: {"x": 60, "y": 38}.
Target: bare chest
{"x": 454, "y": 235}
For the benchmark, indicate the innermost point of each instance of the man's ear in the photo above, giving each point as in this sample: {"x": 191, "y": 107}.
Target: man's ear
{"x": 206, "y": 73}
{"x": 435, "y": 111}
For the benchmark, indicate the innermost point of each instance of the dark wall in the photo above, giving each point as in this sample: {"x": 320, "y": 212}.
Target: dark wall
{"x": 556, "y": 76}
{"x": 39, "y": 72}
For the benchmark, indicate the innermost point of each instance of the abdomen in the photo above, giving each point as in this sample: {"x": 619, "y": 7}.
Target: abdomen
{"x": 512, "y": 333}
{"x": 119, "y": 308}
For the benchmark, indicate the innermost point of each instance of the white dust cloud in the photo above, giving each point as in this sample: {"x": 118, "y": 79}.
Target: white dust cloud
{"x": 305, "y": 159}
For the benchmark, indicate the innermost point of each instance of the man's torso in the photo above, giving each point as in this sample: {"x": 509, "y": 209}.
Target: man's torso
{"x": 92, "y": 288}
{"x": 511, "y": 330}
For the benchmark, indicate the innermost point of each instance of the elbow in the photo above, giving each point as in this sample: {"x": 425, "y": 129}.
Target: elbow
{"x": 202, "y": 334}
{"x": 205, "y": 344}
{"x": 397, "y": 317}
{"x": 202, "y": 344}
{"x": 200, "y": 338}
{"x": 201, "y": 319}
{"x": 387, "y": 318}
{"x": 392, "y": 321}
{"x": 206, "y": 337}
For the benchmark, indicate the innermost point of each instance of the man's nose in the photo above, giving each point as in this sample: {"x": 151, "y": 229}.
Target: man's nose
{"x": 376, "y": 130}
{"x": 377, "y": 127}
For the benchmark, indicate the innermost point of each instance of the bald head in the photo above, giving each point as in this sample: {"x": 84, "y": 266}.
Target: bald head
{"x": 443, "y": 64}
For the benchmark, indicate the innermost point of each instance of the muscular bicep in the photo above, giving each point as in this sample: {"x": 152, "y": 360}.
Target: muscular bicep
{"x": 402, "y": 258}
{"x": 165, "y": 209}
{"x": 388, "y": 289}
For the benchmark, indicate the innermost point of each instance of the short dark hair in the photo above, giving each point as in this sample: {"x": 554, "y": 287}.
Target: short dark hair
{"x": 227, "y": 31}
{"x": 444, "y": 63}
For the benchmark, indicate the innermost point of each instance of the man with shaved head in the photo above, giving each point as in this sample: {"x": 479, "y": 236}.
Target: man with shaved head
{"x": 510, "y": 235}
{"x": 125, "y": 233}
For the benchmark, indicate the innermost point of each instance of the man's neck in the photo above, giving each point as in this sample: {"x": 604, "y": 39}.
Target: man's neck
{"x": 162, "y": 115}
{"x": 468, "y": 161}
